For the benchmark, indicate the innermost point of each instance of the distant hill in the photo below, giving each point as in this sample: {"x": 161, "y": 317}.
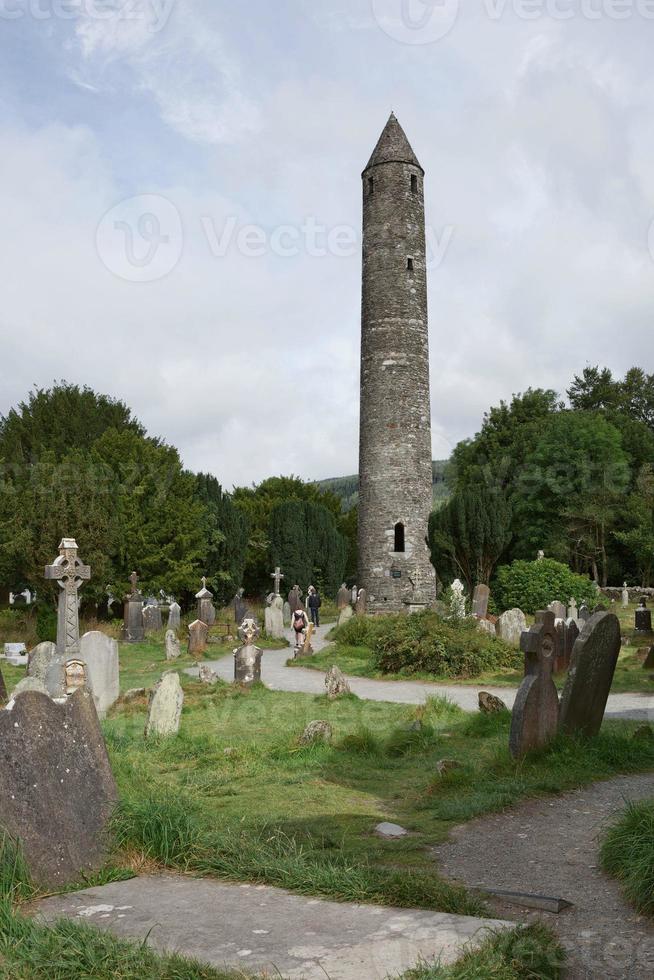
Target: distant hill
{"x": 347, "y": 487}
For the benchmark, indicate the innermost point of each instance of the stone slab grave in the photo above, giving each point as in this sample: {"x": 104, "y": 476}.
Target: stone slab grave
{"x": 258, "y": 928}
{"x": 173, "y": 647}
{"x": 535, "y": 716}
{"x": 57, "y": 789}
{"x": 594, "y": 659}
{"x": 133, "y": 628}
{"x": 174, "y": 616}
{"x": 480, "y": 601}
{"x": 511, "y": 625}
{"x": 100, "y": 654}
{"x": 165, "y": 708}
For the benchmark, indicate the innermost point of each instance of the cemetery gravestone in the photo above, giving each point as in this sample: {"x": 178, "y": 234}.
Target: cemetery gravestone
{"x": 573, "y": 612}
{"x": 594, "y": 659}
{"x": 275, "y": 620}
{"x": 362, "y": 602}
{"x": 559, "y": 610}
{"x": 457, "y": 600}
{"x": 277, "y": 576}
{"x": 625, "y": 597}
{"x": 166, "y": 704}
{"x": 29, "y": 684}
{"x": 643, "y": 618}
{"x": 207, "y": 675}
{"x": 152, "y": 621}
{"x": 535, "y": 715}
{"x": 247, "y": 659}
{"x": 47, "y": 665}
{"x": 485, "y": 626}
{"x": 198, "y": 637}
{"x": 133, "y": 628}
{"x": 584, "y": 614}
{"x": 480, "y": 601}
{"x": 343, "y": 598}
{"x": 57, "y": 790}
{"x": 287, "y": 615}
{"x": 571, "y": 635}
{"x": 206, "y": 610}
{"x": 173, "y": 646}
{"x": 174, "y": 616}
{"x": 100, "y": 654}
{"x": 511, "y": 625}
{"x": 69, "y": 573}
{"x": 346, "y": 615}
{"x": 240, "y": 607}
{"x": 336, "y": 684}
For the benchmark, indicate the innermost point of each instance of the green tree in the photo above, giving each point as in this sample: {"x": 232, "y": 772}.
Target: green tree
{"x": 639, "y": 539}
{"x": 306, "y": 543}
{"x": 226, "y": 537}
{"x": 469, "y": 534}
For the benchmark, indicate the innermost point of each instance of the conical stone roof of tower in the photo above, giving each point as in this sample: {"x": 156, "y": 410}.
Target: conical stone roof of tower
{"x": 393, "y": 146}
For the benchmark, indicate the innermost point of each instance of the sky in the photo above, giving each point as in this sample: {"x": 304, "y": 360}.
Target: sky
{"x": 180, "y": 207}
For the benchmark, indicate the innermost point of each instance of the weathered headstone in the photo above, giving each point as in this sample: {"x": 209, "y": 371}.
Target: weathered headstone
{"x": 165, "y": 710}
{"x": 625, "y": 597}
{"x": 535, "y": 715}
{"x": 584, "y": 613}
{"x": 489, "y": 704}
{"x": 362, "y": 602}
{"x": 57, "y": 790}
{"x": 275, "y": 617}
{"x": 207, "y": 675}
{"x": 152, "y": 620}
{"x": 133, "y": 628}
{"x": 643, "y": 618}
{"x": 485, "y": 626}
{"x": 287, "y": 615}
{"x": 198, "y": 637}
{"x": 277, "y": 576}
{"x": 336, "y": 683}
{"x": 174, "y": 616}
{"x": 29, "y": 684}
{"x": 511, "y": 625}
{"x": 561, "y": 662}
{"x": 75, "y": 677}
{"x": 343, "y": 598}
{"x": 41, "y": 660}
{"x": 69, "y": 573}
{"x": 100, "y": 654}
{"x": 594, "y": 659}
{"x": 346, "y": 615}
{"x": 571, "y": 635}
{"x": 173, "y": 646}
{"x": 480, "y": 601}
{"x": 558, "y": 608}
{"x": 573, "y": 612}
{"x": 247, "y": 659}
{"x": 206, "y": 611}
{"x": 316, "y": 731}
{"x": 457, "y": 600}
{"x": 240, "y": 607}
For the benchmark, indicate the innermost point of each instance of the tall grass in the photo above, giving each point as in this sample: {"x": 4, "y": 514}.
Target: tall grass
{"x": 628, "y": 854}
{"x": 519, "y": 954}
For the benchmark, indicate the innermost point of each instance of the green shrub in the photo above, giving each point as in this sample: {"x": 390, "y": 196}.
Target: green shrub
{"x": 426, "y": 644}
{"x": 533, "y": 585}
{"x": 628, "y": 854}
{"x": 46, "y": 623}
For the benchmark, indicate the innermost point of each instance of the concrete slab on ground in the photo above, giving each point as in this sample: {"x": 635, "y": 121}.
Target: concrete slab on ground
{"x": 262, "y": 929}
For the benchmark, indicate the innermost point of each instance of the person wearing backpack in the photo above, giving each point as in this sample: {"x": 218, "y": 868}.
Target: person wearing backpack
{"x": 314, "y": 604}
{"x": 300, "y": 625}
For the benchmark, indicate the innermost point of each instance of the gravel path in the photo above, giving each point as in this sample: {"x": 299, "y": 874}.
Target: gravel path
{"x": 278, "y": 677}
{"x": 551, "y": 847}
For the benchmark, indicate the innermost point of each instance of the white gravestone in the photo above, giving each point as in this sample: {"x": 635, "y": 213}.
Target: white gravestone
{"x": 100, "y": 654}
{"x": 165, "y": 707}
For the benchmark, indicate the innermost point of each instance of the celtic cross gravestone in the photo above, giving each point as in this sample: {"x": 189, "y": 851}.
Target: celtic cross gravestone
{"x": 70, "y": 573}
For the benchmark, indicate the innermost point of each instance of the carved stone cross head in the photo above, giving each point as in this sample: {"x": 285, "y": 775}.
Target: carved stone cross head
{"x": 539, "y": 645}
{"x": 277, "y": 575}
{"x": 68, "y": 570}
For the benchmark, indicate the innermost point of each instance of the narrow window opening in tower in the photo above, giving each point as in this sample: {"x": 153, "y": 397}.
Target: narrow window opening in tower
{"x": 371, "y": 186}
{"x": 399, "y": 537}
{"x": 414, "y": 183}
{"x": 409, "y": 264}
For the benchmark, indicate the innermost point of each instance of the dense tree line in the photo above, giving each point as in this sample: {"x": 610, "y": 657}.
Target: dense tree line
{"x": 73, "y": 462}
{"x": 577, "y": 480}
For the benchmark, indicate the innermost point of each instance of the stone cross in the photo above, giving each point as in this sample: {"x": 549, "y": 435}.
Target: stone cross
{"x": 535, "y": 715}
{"x": 277, "y": 575}
{"x": 134, "y": 580}
{"x": 69, "y": 572}
{"x": 204, "y": 582}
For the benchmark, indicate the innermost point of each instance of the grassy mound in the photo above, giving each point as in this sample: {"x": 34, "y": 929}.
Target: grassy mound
{"x": 426, "y": 644}
{"x": 628, "y": 854}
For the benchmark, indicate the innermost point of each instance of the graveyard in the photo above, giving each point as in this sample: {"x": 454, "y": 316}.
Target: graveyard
{"x": 258, "y": 719}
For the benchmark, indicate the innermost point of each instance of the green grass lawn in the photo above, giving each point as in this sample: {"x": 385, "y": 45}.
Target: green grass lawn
{"x": 629, "y": 675}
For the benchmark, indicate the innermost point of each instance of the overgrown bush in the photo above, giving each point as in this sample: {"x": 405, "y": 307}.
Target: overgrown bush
{"x": 533, "y": 585}
{"x": 425, "y": 643}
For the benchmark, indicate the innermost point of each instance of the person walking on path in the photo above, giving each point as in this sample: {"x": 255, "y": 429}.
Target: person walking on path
{"x": 314, "y": 603}
{"x": 300, "y": 627}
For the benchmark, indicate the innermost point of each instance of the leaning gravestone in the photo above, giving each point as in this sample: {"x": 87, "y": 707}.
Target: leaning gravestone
{"x": 165, "y": 709}
{"x": 174, "y": 616}
{"x": 511, "y": 625}
{"x": 57, "y": 790}
{"x": 198, "y": 637}
{"x": 480, "y": 599}
{"x": 535, "y": 715}
{"x": 100, "y": 654}
{"x": 173, "y": 647}
{"x": 587, "y": 688}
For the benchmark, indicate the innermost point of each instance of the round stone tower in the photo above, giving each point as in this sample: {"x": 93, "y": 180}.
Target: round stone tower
{"x": 395, "y": 456}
